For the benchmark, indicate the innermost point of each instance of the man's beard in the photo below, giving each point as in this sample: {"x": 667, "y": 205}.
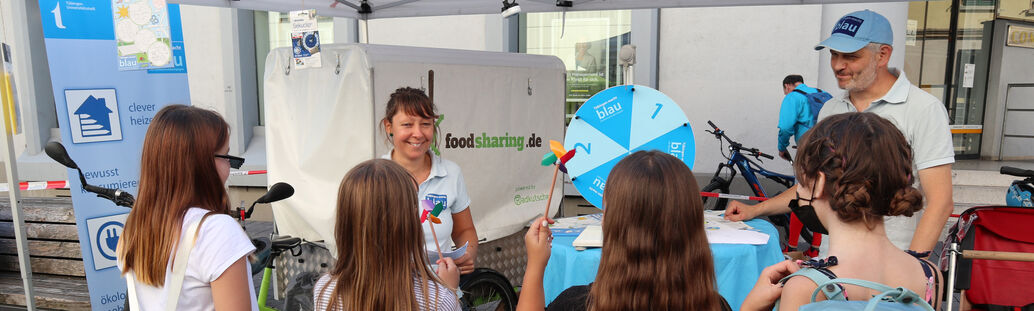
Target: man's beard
{"x": 865, "y": 79}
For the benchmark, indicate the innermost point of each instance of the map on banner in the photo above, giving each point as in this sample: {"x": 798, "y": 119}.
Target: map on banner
{"x": 142, "y": 34}
{"x": 617, "y": 122}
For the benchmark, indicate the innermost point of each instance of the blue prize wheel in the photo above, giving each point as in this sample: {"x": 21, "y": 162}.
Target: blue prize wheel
{"x": 617, "y": 122}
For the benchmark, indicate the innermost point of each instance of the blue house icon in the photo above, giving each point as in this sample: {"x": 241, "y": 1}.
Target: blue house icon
{"x": 94, "y": 119}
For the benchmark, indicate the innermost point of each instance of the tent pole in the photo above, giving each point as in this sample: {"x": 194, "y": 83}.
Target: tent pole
{"x": 14, "y": 193}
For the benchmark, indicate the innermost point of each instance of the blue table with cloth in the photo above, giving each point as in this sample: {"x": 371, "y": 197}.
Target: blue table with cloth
{"x": 737, "y": 266}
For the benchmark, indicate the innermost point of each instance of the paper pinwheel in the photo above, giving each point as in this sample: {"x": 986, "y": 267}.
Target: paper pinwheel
{"x": 431, "y": 211}
{"x": 557, "y": 156}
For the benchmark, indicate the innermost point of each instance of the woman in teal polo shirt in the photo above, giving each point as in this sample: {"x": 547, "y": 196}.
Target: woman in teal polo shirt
{"x": 409, "y": 121}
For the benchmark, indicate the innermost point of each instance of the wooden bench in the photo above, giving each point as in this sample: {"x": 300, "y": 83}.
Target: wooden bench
{"x": 58, "y": 275}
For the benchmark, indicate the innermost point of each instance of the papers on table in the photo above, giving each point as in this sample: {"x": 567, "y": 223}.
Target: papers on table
{"x": 573, "y": 226}
{"x": 432, "y": 255}
{"x": 721, "y": 231}
{"x": 591, "y": 236}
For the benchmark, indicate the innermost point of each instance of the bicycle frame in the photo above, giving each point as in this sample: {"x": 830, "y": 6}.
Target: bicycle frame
{"x": 263, "y": 295}
{"x": 749, "y": 170}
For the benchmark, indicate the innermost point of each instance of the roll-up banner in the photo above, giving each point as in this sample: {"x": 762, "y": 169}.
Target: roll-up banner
{"x": 113, "y": 65}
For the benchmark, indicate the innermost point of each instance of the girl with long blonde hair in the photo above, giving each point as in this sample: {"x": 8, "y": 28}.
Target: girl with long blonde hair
{"x": 382, "y": 264}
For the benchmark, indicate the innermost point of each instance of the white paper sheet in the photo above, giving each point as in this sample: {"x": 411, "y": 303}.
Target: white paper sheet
{"x": 721, "y": 231}
{"x": 432, "y": 254}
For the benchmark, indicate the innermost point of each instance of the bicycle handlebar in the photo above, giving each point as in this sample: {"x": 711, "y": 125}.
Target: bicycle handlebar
{"x": 119, "y": 197}
{"x": 1009, "y": 170}
{"x": 720, "y": 134}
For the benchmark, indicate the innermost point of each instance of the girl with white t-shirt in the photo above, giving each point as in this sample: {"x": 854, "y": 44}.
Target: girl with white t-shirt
{"x": 381, "y": 263}
{"x": 183, "y": 171}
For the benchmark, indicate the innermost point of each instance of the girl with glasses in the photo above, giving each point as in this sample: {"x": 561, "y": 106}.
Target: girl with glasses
{"x": 182, "y": 187}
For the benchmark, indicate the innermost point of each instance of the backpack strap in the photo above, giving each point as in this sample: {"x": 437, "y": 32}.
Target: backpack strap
{"x": 899, "y": 295}
{"x": 802, "y": 92}
{"x": 832, "y": 291}
{"x": 179, "y": 267}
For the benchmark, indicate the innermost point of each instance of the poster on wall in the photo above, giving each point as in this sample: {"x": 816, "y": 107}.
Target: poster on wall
{"x": 305, "y": 39}
{"x": 142, "y": 34}
{"x": 104, "y": 105}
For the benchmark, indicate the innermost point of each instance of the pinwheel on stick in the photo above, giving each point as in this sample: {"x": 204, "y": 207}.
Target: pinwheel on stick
{"x": 558, "y": 157}
{"x": 431, "y": 212}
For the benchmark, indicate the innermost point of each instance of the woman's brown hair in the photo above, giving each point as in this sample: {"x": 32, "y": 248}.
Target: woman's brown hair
{"x": 177, "y": 171}
{"x": 867, "y": 164}
{"x": 655, "y": 252}
{"x": 413, "y": 102}
{"x": 379, "y": 241}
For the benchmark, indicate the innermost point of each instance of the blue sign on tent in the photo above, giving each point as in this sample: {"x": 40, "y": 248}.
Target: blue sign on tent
{"x": 93, "y": 115}
{"x": 617, "y": 122}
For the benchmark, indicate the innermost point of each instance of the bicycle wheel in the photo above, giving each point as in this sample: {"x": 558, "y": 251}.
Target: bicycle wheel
{"x": 715, "y": 203}
{"x": 485, "y": 290}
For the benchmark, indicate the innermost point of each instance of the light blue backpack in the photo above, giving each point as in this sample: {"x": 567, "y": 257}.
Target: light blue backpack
{"x": 889, "y": 298}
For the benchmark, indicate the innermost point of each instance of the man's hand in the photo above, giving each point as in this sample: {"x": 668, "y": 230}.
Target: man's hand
{"x": 738, "y": 211}
{"x": 785, "y": 155}
{"x": 768, "y": 290}
{"x": 936, "y": 185}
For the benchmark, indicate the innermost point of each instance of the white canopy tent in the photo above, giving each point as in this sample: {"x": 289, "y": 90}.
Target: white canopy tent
{"x": 413, "y": 8}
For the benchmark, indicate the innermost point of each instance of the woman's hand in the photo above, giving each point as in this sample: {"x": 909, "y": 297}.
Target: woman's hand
{"x": 538, "y": 241}
{"x": 463, "y": 232}
{"x": 448, "y": 272}
{"x": 768, "y": 290}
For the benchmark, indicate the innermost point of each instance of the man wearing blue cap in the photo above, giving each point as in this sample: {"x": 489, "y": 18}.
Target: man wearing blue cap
{"x": 860, "y": 49}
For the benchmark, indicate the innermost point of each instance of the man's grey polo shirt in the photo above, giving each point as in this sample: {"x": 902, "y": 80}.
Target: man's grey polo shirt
{"x": 917, "y": 114}
{"x": 923, "y": 120}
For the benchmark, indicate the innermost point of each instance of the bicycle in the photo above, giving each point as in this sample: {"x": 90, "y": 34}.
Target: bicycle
{"x": 739, "y": 159}
{"x": 1019, "y": 193}
{"x": 485, "y": 289}
{"x": 277, "y": 246}
{"x": 736, "y": 160}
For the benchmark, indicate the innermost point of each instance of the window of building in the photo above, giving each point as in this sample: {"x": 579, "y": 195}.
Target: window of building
{"x": 948, "y": 57}
{"x": 273, "y": 30}
{"x": 587, "y": 43}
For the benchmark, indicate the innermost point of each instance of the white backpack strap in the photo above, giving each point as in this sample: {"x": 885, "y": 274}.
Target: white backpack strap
{"x": 134, "y": 302}
{"x": 179, "y": 266}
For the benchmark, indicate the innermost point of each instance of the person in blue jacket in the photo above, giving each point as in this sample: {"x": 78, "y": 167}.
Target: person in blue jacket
{"x": 795, "y": 116}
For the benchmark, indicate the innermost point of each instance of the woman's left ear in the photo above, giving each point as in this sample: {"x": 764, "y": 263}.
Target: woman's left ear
{"x": 820, "y": 186}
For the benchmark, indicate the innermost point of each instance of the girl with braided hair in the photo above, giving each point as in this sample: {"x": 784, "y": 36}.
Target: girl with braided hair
{"x": 853, "y": 170}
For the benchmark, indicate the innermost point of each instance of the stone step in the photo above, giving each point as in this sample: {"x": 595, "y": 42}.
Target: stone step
{"x": 979, "y": 195}
{"x": 980, "y": 178}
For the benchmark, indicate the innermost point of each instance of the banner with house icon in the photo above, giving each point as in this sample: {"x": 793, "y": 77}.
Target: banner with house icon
{"x": 104, "y": 110}
{"x": 93, "y": 115}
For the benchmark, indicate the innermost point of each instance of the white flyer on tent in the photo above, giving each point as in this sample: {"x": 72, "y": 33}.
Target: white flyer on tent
{"x": 305, "y": 39}
{"x": 432, "y": 255}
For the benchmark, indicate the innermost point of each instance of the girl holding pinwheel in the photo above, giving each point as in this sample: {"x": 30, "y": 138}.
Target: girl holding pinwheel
{"x": 655, "y": 253}
{"x": 382, "y": 263}
{"x": 410, "y": 122}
